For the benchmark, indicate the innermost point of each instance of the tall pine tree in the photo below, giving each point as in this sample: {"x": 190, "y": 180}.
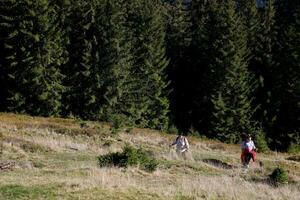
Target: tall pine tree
{"x": 99, "y": 60}
{"x": 261, "y": 40}
{"x": 148, "y": 72}
{"x": 285, "y": 88}
{"x": 178, "y": 38}
{"x": 34, "y": 56}
{"x": 79, "y": 97}
{"x": 115, "y": 60}
{"x": 232, "y": 96}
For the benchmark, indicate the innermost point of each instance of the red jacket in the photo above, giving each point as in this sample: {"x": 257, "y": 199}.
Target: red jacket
{"x": 246, "y": 151}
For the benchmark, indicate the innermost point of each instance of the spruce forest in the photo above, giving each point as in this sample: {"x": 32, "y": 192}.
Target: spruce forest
{"x": 216, "y": 68}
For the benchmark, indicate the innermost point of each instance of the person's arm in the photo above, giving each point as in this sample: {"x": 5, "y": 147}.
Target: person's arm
{"x": 175, "y": 142}
{"x": 253, "y": 145}
{"x": 243, "y": 145}
{"x": 187, "y": 143}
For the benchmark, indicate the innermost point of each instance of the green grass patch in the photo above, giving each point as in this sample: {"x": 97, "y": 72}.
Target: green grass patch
{"x": 130, "y": 157}
{"x": 31, "y": 147}
{"x": 70, "y": 156}
{"x": 180, "y": 196}
{"x": 63, "y": 160}
{"x": 12, "y": 192}
{"x": 178, "y": 165}
{"x": 102, "y": 194}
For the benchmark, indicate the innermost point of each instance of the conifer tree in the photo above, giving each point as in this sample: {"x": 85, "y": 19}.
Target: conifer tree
{"x": 115, "y": 60}
{"x": 79, "y": 97}
{"x": 232, "y": 96}
{"x": 205, "y": 68}
{"x": 178, "y": 37}
{"x": 261, "y": 40}
{"x": 148, "y": 71}
{"x": 248, "y": 11}
{"x": 5, "y": 8}
{"x": 34, "y": 56}
{"x": 211, "y": 53}
{"x": 100, "y": 58}
{"x": 286, "y": 73}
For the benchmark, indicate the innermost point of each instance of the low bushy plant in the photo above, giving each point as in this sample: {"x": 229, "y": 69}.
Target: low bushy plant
{"x": 294, "y": 146}
{"x": 173, "y": 129}
{"x": 129, "y": 157}
{"x": 279, "y": 176}
{"x": 118, "y": 121}
{"x": 260, "y": 141}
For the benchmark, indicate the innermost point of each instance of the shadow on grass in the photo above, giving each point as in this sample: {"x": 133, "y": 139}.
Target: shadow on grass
{"x": 295, "y": 158}
{"x": 219, "y": 163}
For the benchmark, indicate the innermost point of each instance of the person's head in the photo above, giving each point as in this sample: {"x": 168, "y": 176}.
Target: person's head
{"x": 246, "y": 137}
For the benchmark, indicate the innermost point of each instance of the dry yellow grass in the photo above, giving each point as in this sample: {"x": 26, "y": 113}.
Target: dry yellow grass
{"x": 63, "y": 164}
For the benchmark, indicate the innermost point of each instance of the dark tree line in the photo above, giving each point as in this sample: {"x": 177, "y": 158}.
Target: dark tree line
{"x": 218, "y": 67}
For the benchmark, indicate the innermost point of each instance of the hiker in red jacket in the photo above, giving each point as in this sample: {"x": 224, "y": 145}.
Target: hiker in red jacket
{"x": 248, "y": 150}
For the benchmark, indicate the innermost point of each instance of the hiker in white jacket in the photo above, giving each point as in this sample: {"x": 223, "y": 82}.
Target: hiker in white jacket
{"x": 182, "y": 145}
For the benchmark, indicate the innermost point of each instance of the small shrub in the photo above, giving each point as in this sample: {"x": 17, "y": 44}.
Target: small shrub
{"x": 294, "y": 144}
{"x": 129, "y": 157}
{"x": 279, "y": 176}
{"x": 193, "y": 132}
{"x": 260, "y": 142}
{"x": 294, "y": 148}
{"x": 173, "y": 129}
{"x": 118, "y": 121}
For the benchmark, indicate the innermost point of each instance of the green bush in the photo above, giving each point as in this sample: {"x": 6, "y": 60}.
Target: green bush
{"x": 294, "y": 144}
{"x": 260, "y": 141}
{"x": 279, "y": 176}
{"x": 173, "y": 129}
{"x": 129, "y": 157}
{"x": 294, "y": 148}
{"x": 118, "y": 121}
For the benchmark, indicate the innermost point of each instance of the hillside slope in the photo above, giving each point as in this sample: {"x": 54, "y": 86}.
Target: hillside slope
{"x": 52, "y": 158}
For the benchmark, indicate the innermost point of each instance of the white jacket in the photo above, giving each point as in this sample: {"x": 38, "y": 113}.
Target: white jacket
{"x": 182, "y": 144}
{"x": 248, "y": 145}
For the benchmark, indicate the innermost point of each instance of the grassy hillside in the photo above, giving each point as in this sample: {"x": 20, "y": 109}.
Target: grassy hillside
{"x": 52, "y": 158}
